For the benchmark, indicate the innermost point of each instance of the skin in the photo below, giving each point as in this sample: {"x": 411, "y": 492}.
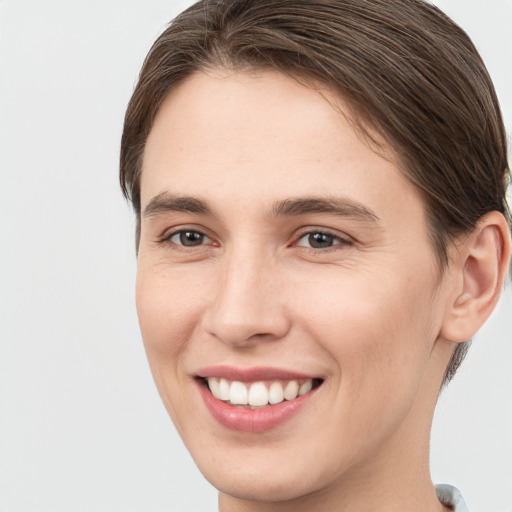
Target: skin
{"x": 366, "y": 314}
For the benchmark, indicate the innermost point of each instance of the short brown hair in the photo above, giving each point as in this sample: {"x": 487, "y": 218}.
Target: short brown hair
{"x": 405, "y": 68}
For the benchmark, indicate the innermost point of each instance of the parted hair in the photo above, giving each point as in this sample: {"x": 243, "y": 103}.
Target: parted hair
{"x": 407, "y": 71}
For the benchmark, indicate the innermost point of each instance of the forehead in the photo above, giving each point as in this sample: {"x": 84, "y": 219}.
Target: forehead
{"x": 264, "y": 137}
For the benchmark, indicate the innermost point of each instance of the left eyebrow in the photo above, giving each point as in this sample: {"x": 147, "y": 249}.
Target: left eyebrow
{"x": 339, "y": 206}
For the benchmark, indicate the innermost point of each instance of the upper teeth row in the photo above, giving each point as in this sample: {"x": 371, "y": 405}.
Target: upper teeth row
{"x": 257, "y": 394}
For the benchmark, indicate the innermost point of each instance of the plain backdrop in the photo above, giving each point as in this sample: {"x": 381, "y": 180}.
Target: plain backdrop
{"x": 81, "y": 426}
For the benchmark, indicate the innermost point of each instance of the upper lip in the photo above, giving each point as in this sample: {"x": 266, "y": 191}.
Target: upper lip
{"x": 252, "y": 374}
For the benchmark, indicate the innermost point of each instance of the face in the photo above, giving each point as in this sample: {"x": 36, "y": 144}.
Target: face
{"x": 287, "y": 291}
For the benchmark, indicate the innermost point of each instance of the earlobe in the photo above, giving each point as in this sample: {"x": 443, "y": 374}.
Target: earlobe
{"x": 479, "y": 268}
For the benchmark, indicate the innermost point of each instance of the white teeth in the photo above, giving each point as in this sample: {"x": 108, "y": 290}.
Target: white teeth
{"x": 306, "y": 387}
{"x": 275, "y": 393}
{"x": 291, "y": 390}
{"x": 238, "y": 393}
{"x": 224, "y": 389}
{"x": 214, "y": 386}
{"x": 257, "y": 394}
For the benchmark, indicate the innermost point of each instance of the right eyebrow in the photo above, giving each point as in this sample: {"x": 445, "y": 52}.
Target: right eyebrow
{"x": 166, "y": 202}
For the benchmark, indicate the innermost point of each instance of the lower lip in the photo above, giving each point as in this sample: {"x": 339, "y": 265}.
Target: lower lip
{"x": 252, "y": 420}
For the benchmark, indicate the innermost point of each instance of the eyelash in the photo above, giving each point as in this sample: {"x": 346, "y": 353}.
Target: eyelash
{"x": 167, "y": 238}
{"x": 335, "y": 240}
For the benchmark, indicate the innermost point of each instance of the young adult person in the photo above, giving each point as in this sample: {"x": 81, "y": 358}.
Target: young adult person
{"x": 322, "y": 226}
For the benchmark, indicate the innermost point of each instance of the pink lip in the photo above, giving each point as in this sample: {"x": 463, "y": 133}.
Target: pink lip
{"x": 251, "y": 420}
{"x": 251, "y": 374}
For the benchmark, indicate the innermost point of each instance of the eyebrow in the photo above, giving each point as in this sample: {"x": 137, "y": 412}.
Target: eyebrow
{"x": 166, "y": 202}
{"x": 291, "y": 207}
{"x": 339, "y": 206}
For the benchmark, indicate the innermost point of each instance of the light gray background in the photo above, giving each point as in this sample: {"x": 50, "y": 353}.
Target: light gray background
{"x": 81, "y": 425}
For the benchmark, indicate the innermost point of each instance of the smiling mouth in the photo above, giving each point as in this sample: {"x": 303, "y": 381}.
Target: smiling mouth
{"x": 255, "y": 395}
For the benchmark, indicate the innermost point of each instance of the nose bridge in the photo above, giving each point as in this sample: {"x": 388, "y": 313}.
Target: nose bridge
{"x": 247, "y": 304}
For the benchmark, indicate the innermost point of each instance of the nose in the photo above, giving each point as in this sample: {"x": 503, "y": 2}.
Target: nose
{"x": 248, "y": 304}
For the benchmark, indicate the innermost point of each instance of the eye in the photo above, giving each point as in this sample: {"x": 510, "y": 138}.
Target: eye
{"x": 188, "y": 238}
{"x": 321, "y": 240}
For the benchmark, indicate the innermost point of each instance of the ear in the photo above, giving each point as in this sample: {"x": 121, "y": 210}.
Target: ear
{"x": 478, "y": 269}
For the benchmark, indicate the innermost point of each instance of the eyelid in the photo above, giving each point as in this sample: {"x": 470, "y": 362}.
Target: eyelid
{"x": 204, "y": 241}
{"x": 168, "y": 234}
{"x": 342, "y": 238}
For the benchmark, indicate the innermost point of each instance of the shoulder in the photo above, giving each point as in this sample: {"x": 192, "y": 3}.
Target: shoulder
{"x": 451, "y": 497}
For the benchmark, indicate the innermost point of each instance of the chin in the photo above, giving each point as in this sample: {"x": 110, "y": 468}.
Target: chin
{"x": 263, "y": 473}
{"x": 262, "y": 486}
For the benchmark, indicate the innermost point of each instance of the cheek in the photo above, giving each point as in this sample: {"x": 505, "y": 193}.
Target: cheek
{"x": 167, "y": 311}
{"x": 381, "y": 328}
{"x": 166, "y": 308}
{"x": 380, "y": 336}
